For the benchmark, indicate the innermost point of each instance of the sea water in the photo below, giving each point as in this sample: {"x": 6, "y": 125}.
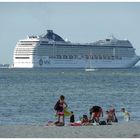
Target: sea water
{"x": 28, "y": 96}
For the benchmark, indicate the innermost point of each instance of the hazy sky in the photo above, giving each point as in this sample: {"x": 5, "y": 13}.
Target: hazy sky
{"x": 78, "y": 22}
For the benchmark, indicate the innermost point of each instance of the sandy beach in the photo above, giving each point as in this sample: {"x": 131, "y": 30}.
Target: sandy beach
{"x": 118, "y": 130}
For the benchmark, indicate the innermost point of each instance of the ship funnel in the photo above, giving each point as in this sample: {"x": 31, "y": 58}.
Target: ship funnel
{"x": 49, "y": 31}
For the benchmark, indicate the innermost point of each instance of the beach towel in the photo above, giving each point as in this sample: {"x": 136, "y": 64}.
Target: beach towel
{"x": 75, "y": 124}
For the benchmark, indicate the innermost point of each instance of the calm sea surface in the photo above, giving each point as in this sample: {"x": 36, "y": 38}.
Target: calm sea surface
{"x": 28, "y": 96}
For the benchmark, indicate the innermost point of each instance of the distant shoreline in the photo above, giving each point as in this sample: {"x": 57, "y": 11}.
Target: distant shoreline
{"x": 118, "y": 130}
{"x": 4, "y": 65}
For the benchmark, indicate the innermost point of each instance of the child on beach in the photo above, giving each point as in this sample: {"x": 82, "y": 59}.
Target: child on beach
{"x": 125, "y": 114}
{"x": 112, "y": 114}
{"x": 108, "y": 117}
{"x": 59, "y": 108}
{"x": 72, "y": 119}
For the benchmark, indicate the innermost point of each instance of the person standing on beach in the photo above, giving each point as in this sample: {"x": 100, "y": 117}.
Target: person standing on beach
{"x": 95, "y": 113}
{"x": 125, "y": 114}
{"x": 59, "y": 108}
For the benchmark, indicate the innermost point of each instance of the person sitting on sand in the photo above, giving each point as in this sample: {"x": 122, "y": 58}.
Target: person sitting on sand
{"x": 59, "y": 108}
{"x": 72, "y": 119}
{"x": 85, "y": 120}
{"x": 109, "y": 117}
{"x": 112, "y": 114}
{"x": 125, "y": 114}
{"x": 95, "y": 113}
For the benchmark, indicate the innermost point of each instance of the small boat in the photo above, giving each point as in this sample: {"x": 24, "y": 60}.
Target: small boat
{"x": 89, "y": 69}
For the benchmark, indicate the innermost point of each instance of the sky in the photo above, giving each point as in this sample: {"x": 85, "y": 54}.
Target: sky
{"x": 78, "y": 22}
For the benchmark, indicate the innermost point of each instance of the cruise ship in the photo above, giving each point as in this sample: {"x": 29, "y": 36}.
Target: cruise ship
{"x": 52, "y": 51}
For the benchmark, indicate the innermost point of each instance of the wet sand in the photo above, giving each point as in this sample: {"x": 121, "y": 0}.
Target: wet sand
{"x": 118, "y": 130}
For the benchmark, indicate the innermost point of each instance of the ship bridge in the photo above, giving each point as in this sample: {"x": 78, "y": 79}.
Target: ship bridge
{"x": 112, "y": 41}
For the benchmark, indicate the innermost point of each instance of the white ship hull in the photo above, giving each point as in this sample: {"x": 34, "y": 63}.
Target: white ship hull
{"x": 44, "y": 62}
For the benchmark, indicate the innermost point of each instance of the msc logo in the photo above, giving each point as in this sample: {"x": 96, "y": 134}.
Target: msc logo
{"x": 40, "y": 62}
{"x": 45, "y": 62}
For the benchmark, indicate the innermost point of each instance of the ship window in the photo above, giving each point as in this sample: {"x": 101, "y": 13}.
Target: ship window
{"x": 59, "y": 57}
{"x": 75, "y": 56}
{"x": 22, "y": 57}
{"x": 51, "y": 56}
{"x": 26, "y": 44}
{"x": 87, "y": 57}
{"x": 104, "y": 57}
{"x": 70, "y": 57}
{"x": 44, "y": 42}
{"x": 108, "y": 57}
{"x": 100, "y": 57}
{"x": 96, "y": 57}
{"x": 92, "y": 57}
{"x": 65, "y": 56}
{"x": 79, "y": 56}
{"x": 107, "y": 39}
